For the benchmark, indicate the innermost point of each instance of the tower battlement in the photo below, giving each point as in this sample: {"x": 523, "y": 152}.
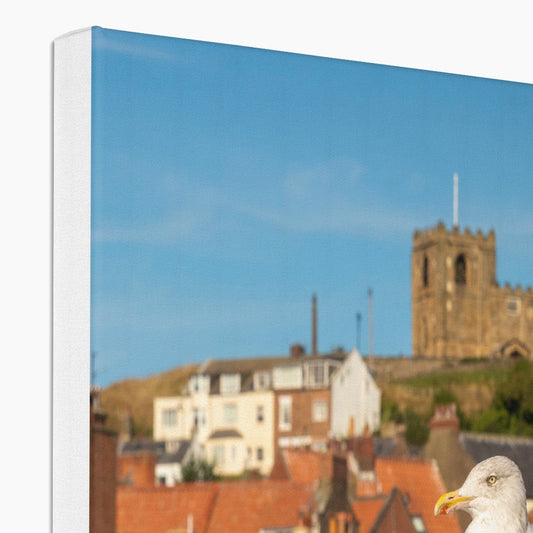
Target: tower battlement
{"x": 517, "y": 290}
{"x": 440, "y": 231}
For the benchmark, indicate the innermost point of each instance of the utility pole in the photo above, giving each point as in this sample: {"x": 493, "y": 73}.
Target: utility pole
{"x": 93, "y": 369}
{"x": 358, "y": 331}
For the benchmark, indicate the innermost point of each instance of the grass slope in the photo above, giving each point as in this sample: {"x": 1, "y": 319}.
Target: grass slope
{"x": 137, "y": 396}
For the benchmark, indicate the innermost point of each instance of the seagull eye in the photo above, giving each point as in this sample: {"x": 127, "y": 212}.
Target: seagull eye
{"x": 491, "y": 479}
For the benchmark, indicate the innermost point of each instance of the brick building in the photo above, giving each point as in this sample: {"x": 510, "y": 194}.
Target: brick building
{"x": 102, "y": 471}
{"x": 458, "y": 308}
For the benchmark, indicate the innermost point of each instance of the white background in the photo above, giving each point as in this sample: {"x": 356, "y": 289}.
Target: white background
{"x": 477, "y": 38}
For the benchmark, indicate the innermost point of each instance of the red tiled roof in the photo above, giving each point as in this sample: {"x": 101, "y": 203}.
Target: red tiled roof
{"x": 160, "y": 509}
{"x": 366, "y": 511}
{"x": 248, "y": 506}
{"x": 422, "y": 483}
{"x": 243, "y": 506}
{"x": 306, "y": 466}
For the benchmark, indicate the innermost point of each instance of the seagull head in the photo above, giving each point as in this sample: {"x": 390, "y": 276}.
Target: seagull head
{"x": 493, "y": 494}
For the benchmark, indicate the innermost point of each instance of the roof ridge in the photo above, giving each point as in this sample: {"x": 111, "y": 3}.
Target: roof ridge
{"x": 383, "y": 511}
{"x": 212, "y": 507}
{"x": 418, "y": 460}
{"x": 496, "y": 437}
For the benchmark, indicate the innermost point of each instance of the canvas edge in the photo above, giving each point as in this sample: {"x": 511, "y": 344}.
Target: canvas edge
{"x": 71, "y": 249}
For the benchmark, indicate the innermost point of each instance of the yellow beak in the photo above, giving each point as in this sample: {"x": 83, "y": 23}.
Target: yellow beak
{"x": 448, "y": 502}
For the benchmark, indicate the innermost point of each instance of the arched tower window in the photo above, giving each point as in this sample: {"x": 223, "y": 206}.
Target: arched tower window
{"x": 460, "y": 270}
{"x": 425, "y": 271}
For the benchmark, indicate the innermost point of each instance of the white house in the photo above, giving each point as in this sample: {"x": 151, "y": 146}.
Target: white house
{"x": 242, "y": 436}
{"x": 355, "y": 399}
{"x": 230, "y": 410}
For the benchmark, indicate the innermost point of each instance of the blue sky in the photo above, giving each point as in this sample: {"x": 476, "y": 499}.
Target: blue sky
{"x": 230, "y": 184}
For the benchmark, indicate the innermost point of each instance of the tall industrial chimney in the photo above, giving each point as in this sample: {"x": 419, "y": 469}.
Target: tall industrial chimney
{"x": 314, "y": 327}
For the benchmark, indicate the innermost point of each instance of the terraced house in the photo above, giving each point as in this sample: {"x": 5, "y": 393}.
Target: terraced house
{"x": 239, "y": 412}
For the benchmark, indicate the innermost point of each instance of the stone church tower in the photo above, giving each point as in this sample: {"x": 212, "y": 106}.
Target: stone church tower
{"x": 458, "y": 308}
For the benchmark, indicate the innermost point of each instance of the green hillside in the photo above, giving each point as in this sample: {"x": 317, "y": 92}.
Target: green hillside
{"x": 137, "y": 396}
{"x": 407, "y": 385}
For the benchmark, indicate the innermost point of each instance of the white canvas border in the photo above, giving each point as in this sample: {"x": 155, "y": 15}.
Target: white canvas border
{"x": 71, "y": 280}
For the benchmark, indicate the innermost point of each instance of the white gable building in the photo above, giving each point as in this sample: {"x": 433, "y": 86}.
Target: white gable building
{"x": 355, "y": 399}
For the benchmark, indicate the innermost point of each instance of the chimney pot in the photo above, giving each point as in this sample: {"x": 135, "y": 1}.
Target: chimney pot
{"x": 297, "y": 350}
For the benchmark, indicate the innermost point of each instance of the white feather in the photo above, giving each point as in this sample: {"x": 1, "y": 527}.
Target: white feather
{"x": 498, "y": 497}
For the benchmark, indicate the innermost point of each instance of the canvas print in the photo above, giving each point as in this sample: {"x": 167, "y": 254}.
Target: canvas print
{"x": 310, "y": 301}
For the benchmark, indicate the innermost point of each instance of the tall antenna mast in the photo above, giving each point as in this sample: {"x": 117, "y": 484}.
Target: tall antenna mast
{"x": 455, "y": 200}
{"x": 314, "y": 349}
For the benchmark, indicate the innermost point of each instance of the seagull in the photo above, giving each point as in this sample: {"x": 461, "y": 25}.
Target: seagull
{"x": 494, "y": 496}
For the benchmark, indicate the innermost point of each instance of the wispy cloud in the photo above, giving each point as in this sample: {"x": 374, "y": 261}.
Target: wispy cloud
{"x": 336, "y": 197}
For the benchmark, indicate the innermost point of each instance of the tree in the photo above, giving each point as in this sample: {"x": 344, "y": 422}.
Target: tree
{"x": 198, "y": 470}
{"x": 512, "y": 393}
{"x": 390, "y": 412}
{"x": 416, "y": 429}
{"x": 512, "y": 406}
{"x": 492, "y": 421}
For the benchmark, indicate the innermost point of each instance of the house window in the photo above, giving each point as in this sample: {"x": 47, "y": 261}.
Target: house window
{"x": 260, "y": 413}
{"x": 169, "y": 418}
{"x": 259, "y": 453}
{"x": 172, "y": 446}
{"x": 219, "y": 454}
{"x": 230, "y": 413}
{"x": 199, "y": 417}
{"x": 261, "y": 380}
{"x": 285, "y": 413}
{"x": 316, "y": 374}
{"x": 230, "y": 383}
{"x": 460, "y": 270}
{"x": 320, "y": 411}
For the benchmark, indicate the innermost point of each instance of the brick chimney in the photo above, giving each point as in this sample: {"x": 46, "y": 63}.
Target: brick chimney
{"x": 445, "y": 416}
{"x": 297, "y": 350}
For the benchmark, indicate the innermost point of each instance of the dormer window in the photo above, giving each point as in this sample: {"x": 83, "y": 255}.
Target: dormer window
{"x": 230, "y": 384}
{"x": 460, "y": 270}
{"x": 316, "y": 376}
{"x": 262, "y": 380}
{"x": 287, "y": 377}
{"x": 199, "y": 383}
